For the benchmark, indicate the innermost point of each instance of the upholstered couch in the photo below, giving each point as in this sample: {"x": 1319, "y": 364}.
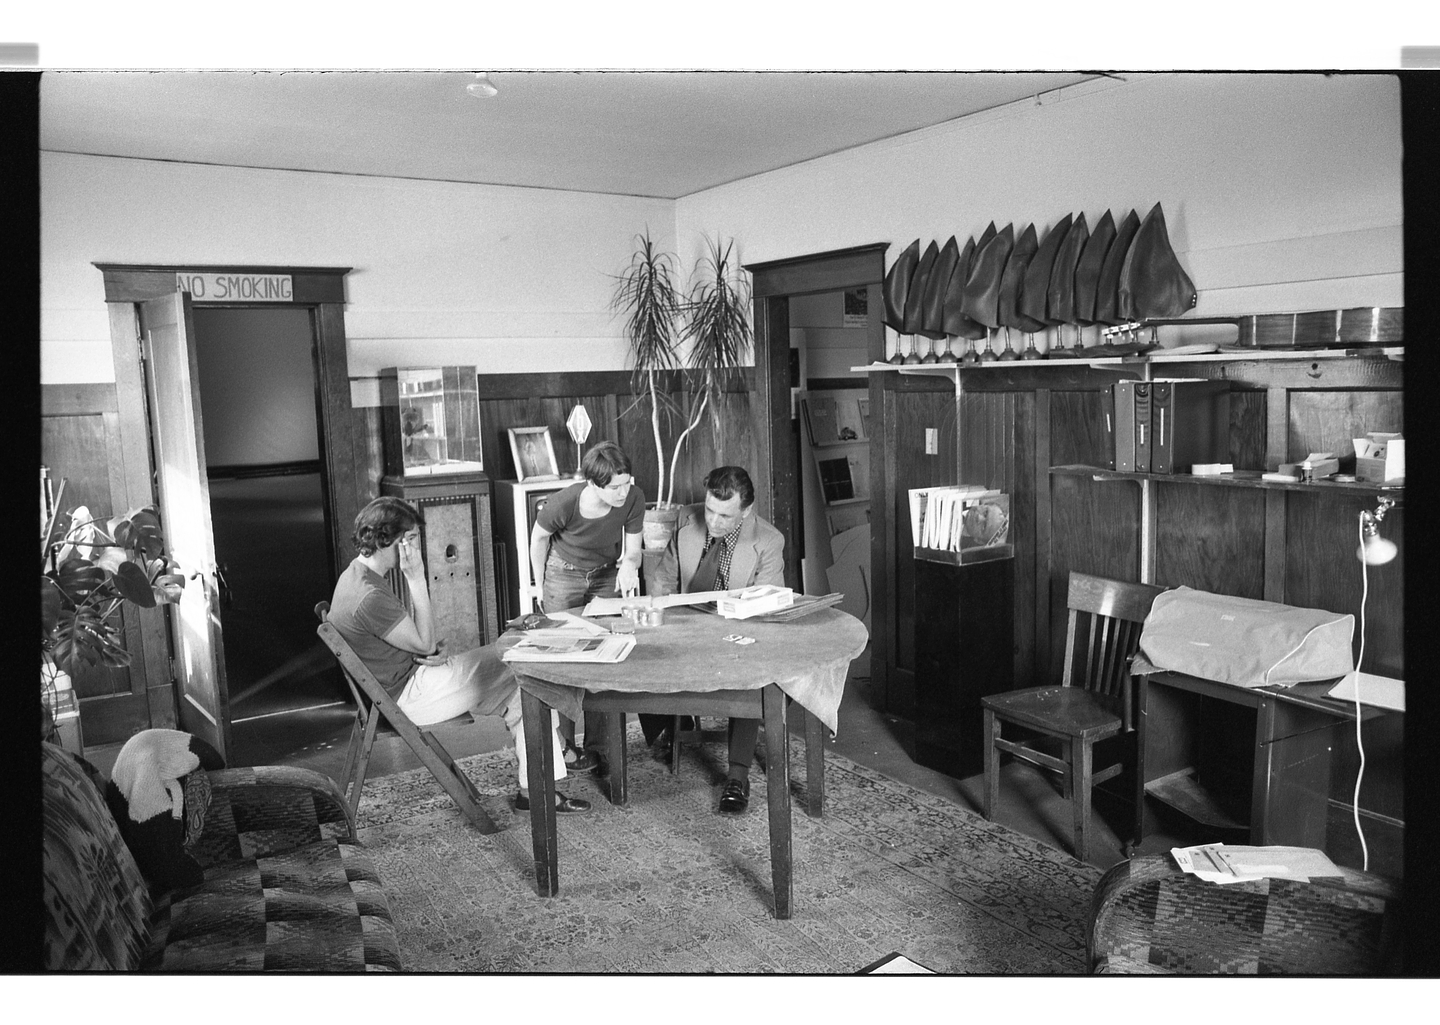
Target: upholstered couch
{"x": 1149, "y": 917}
{"x": 287, "y": 886}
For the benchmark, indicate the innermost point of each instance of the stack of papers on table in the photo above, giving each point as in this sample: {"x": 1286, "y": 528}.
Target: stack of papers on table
{"x": 1222, "y": 864}
{"x": 570, "y": 646}
{"x": 613, "y": 606}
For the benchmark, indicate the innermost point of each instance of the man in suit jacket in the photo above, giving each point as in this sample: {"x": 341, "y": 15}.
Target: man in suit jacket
{"x": 724, "y": 545}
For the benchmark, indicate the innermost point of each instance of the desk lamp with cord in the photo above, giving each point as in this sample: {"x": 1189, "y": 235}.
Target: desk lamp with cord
{"x": 1374, "y": 550}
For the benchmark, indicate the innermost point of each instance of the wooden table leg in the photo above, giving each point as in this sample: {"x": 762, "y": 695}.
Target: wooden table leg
{"x": 616, "y": 765}
{"x": 540, "y": 770}
{"x": 777, "y": 784}
{"x": 814, "y": 765}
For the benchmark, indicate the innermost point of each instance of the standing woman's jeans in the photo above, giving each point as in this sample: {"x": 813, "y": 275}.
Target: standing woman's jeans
{"x": 566, "y": 586}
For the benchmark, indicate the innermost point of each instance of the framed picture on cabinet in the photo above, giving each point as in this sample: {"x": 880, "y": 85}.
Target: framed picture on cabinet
{"x": 534, "y": 453}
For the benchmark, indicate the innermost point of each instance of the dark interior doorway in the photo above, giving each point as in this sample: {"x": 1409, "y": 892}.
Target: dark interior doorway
{"x": 267, "y": 501}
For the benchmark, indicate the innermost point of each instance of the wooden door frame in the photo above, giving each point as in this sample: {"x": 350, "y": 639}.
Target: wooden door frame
{"x": 319, "y": 289}
{"x": 777, "y": 466}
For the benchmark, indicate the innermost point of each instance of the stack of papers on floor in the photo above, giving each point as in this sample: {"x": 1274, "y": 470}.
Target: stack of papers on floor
{"x": 1223, "y": 864}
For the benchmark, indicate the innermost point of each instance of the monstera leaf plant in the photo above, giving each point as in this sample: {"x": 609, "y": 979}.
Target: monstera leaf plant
{"x": 88, "y": 571}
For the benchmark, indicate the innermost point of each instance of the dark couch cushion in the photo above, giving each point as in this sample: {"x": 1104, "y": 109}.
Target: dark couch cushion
{"x": 319, "y": 908}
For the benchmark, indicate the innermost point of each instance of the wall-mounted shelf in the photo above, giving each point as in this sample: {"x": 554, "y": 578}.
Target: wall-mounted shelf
{"x": 1228, "y": 480}
{"x": 1395, "y": 352}
{"x": 1140, "y": 365}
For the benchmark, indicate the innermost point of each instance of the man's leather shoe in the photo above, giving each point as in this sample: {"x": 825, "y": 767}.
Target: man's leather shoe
{"x": 735, "y": 797}
{"x": 585, "y": 761}
{"x": 562, "y": 803}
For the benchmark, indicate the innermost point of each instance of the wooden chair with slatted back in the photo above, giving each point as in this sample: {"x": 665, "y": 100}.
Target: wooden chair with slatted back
{"x": 1096, "y": 698}
{"x": 372, "y": 702}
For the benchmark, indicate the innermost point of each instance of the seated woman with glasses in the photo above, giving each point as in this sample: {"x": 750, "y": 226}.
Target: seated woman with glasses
{"x": 586, "y": 540}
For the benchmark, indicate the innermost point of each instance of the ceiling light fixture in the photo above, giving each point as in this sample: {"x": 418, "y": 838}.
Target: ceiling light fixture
{"x": 482, "y": 86}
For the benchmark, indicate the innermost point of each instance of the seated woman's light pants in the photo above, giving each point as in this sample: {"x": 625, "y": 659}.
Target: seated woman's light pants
{"x": 474, "y": 681}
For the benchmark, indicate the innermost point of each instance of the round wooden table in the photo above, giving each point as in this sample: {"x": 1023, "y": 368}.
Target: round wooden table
{"x": 687, "y": 666}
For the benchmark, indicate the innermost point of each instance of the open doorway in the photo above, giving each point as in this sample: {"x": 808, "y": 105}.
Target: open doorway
{"x": 829, "y": 334}
{"x": 267, "y": 500}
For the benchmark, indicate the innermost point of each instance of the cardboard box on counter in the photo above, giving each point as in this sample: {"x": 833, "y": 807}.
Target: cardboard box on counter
{"x": 1379, "y": 457}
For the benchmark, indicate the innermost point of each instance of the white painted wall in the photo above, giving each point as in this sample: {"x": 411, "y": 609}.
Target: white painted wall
{"x": 508, "y": 279}
{"x": 1281, "y": 192}
{"x": 817, "y": 327}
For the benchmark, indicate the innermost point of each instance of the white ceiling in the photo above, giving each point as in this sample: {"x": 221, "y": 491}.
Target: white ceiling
{"x": 659, "y": 134}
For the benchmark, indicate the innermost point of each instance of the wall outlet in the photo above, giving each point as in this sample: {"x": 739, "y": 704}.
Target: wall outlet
{"x": 932, "y": 441}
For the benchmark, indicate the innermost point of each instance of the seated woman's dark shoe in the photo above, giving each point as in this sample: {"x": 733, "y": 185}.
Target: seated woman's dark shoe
{"x": 735, "y": 798}
{"x": 585, "y": 761}
{"x": 562, "y": 803}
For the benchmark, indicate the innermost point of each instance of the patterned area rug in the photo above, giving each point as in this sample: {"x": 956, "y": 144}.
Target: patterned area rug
{"x": 667, "y": 885}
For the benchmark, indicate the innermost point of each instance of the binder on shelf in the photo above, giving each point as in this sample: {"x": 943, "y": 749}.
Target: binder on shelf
{"x": 1107, "y": 410}
{"x": 1144, "y": 427}
{"x": 1191, "y": 420}
{"x": 1124, "y": 397}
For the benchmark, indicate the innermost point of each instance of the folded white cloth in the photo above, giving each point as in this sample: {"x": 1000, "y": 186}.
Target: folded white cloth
{"x": 148, "y": 770}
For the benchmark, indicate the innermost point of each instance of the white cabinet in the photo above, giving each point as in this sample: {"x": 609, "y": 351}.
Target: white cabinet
{"x": 516, "y": 506}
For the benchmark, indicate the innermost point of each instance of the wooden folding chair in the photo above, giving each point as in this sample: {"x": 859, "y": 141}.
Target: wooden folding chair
{"x": 371, "y": 703}
{"x": 1094, "y": 701}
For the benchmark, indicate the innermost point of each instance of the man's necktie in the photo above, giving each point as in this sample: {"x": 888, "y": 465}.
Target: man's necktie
{"x": 704, "y": 578}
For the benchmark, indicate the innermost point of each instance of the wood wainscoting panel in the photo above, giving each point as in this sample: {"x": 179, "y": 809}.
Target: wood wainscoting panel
{"x": 913, "y": 405}
{"x": 1094, "y": 528}
{"x": 1077, "y": 429}
{"x": 80, "y": 442}
{"x": 1328, "y": 421}
{"x": 998, "y": 450}
{"x": 1211, "y": 539}
{"x": 1322, "y": 571}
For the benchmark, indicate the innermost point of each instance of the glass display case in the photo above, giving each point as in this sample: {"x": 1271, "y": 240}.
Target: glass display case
{"x": 431, "y": 421}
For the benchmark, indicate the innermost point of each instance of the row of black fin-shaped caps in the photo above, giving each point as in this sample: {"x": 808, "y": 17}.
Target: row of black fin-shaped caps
{"x": 1113, "y": 275}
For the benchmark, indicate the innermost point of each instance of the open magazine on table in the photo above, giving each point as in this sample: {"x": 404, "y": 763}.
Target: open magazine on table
{"x": 557, "y": 646}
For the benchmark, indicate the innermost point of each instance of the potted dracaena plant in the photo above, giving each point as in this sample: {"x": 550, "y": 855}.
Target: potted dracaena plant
{"x": 88, "y": 572}
{"x": 712, "y": 320}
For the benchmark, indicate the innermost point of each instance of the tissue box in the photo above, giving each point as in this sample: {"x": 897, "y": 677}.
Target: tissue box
{"x": 1379, "y": 457}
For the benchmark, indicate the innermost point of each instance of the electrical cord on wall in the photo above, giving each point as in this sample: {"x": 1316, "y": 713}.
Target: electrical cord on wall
{"x": 1359, "y": 743}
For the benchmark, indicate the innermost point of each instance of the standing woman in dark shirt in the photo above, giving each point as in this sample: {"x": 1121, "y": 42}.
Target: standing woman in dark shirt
{"x": 586, "y": 540}
{"x": 586, "y": 544}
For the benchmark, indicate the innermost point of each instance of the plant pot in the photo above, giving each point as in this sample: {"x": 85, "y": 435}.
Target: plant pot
{"x": 659, "y": 526}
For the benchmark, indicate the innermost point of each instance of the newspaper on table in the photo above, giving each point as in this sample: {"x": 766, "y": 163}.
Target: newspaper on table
{"x": 568, "y": 646}
{"x": 614, "y": 606}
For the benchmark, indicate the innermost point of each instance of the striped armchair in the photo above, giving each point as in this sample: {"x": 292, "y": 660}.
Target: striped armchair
{"x": 1148, "y": 917}
{"x": 287, "y": 886}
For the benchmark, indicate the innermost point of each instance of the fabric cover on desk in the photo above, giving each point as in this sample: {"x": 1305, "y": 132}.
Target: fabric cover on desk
{"x": 1148, "y": 916}
{"x": 808, "y": 659}
{"x": 1244, "y": 641}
